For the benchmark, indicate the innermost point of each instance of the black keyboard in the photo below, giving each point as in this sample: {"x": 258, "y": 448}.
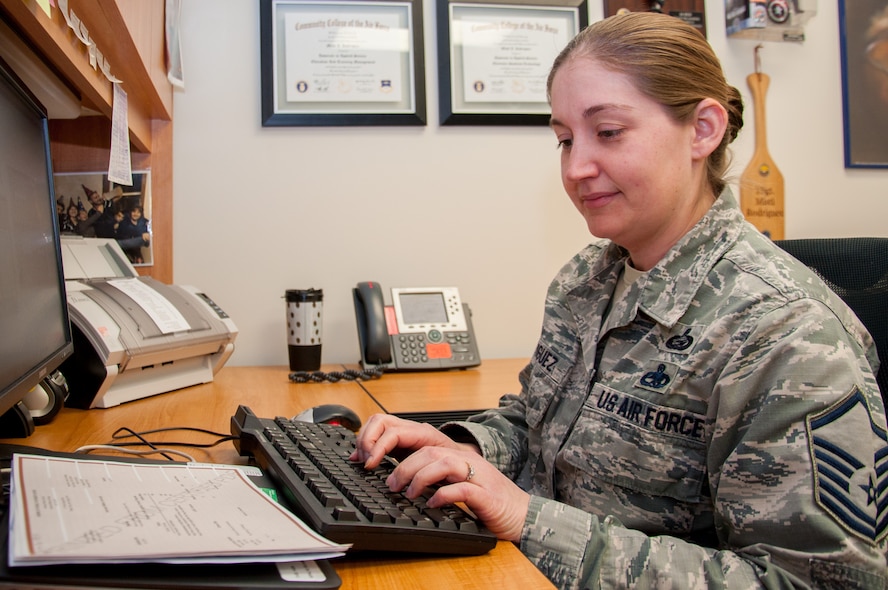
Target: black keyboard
{"x": 343, "y": 501}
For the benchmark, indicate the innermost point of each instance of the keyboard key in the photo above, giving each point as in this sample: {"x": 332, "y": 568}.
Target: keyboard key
{"x": 345, "y": 514}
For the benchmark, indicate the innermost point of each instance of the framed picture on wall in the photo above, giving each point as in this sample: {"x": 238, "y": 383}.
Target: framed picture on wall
{"x": 342, "y": 62}
{"x": 494, "y": 58}
{"x": 864, "y": 47}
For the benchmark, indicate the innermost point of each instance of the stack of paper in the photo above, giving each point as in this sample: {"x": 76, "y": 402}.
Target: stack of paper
{"x": 87, "y": 511}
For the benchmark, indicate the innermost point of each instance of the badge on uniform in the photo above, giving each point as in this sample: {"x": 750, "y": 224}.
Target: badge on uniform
{"x": 851, "y": 488}
{"x": 658, "y": 376}
{"x": 682, "y": 339}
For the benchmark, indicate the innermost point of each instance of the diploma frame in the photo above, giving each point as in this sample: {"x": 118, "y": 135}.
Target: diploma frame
{"x": 453, "y": 60}
{"x": 408, "y": 107}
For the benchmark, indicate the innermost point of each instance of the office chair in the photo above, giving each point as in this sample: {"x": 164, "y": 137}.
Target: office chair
{"x": 857, "y": 270}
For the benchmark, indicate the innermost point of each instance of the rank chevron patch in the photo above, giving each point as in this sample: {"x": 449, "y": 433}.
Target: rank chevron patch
{"x": 853, "y": 488}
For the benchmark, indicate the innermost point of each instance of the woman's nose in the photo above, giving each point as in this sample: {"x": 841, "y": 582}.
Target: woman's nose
{"x": 579, "y": 163}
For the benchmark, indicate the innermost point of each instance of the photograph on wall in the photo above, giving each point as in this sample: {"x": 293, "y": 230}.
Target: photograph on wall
{"x": 92, "y": 206}
{"x": 864, "y": 43}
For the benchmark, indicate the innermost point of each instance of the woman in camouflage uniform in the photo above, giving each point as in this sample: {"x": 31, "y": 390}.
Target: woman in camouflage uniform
{"x": 700, "y": 410}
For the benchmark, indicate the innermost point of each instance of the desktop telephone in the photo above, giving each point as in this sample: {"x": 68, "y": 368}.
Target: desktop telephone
{"x": 423, "y": 329}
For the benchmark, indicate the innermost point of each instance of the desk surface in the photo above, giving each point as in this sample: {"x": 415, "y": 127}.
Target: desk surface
{"x": 478, "y": 388}
{"x": 268, "y": 392}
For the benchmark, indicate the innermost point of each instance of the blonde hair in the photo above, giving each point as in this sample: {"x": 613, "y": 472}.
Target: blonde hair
{"x": 670, "y": 62}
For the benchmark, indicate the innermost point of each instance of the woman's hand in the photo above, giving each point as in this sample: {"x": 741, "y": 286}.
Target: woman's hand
{"x": 383, "y": 434}
{"x": 464, "y": 476}
{"x": 458, "y": 468}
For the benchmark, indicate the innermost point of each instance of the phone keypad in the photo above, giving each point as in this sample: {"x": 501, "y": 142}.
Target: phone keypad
{"x": 412, "y": 349}
{"x": 446, "y": 348}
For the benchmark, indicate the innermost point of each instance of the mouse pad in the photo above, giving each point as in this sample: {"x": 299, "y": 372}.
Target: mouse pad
{"x": 161, "y": 576}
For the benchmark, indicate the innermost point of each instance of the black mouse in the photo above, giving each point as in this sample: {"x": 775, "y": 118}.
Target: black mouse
{"x": 331, "y": 414}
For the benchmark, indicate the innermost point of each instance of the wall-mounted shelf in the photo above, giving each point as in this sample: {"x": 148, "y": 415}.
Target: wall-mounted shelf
{"x": 130, "y": 36}
{"x": 768, "y": 20}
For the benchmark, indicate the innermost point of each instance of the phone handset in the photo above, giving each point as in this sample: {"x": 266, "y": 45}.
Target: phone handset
{"x": 372, "y": 329}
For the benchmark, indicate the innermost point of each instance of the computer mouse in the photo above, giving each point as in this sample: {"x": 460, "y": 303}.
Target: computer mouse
{"x": 331, "y": 414}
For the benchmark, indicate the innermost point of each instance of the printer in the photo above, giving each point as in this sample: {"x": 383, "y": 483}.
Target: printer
{"x": 135, "y": 336}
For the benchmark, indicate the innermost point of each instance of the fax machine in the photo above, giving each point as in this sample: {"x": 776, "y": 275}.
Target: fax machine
{"x": 135, "y": 336}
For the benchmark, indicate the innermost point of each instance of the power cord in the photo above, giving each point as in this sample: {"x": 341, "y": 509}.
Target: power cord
{"x": 143, "y": 452}
{"x": 334, "y": 376}
{"x": 124, "y": 433}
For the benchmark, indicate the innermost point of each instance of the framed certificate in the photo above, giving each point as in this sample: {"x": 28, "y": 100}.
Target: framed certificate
{"x": 349, "y": 62}
{"x": 494, "y": 58}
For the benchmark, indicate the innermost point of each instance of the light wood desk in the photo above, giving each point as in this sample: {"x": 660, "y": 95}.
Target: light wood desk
{"x": 479, "y": 388}
{"x": 268, "y": 392}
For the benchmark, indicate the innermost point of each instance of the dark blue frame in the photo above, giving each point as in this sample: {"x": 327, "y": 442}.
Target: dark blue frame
{"x": 853, "y": 20}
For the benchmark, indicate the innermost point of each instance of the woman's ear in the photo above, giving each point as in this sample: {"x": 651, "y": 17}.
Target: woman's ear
{"x": 710, "y": 123}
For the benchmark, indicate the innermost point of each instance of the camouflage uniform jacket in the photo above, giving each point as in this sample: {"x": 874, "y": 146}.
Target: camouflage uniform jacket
{"x": 719, "y": 426}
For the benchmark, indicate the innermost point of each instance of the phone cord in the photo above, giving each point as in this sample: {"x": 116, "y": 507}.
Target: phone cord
{"x": 334, "y": 376}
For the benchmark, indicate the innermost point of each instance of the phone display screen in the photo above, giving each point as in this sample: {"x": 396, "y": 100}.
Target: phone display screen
{"x": 423, "y": 308}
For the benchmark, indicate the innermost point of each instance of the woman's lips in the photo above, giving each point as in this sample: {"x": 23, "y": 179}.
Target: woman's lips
{"x": 596, "y": 200}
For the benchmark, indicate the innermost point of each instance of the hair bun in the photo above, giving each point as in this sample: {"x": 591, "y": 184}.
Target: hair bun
{"x": 735, "y": 113}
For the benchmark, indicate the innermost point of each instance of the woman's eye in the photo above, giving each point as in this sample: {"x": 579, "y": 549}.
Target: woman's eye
{"x": 610, "y": 133}
{"x": 564, "y": 144}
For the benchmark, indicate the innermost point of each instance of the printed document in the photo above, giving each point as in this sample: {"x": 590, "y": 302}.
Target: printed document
{"x": 66, "y": 510}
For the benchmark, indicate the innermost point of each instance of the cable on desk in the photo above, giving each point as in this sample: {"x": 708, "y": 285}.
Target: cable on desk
{"x": 137, "y": 435}
{"x": 128, "y": 433}
{"x": 334, "y": 376}
{"x": 124, "y": 433}
{"x": 153, "y": 450}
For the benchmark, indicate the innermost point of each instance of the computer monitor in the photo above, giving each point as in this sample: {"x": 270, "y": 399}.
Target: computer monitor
{"x": 35, "y": 334}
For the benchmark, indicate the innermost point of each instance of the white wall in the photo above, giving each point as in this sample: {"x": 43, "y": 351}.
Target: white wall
{"x": 261, "y": 210}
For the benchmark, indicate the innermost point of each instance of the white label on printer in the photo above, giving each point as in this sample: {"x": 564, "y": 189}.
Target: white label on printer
{"x": 164, "y": 313}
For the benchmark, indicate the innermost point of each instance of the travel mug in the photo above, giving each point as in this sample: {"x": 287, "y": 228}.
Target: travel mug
{"x": 304, "y": 322}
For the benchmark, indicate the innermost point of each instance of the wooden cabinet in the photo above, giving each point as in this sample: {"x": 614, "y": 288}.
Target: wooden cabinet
{"x": 130, "y": 34}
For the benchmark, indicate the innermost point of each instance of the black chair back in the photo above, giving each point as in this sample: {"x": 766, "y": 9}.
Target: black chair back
{"x": 857, "y": 270}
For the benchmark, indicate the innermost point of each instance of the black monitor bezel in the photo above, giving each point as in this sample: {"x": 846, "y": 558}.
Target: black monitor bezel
{"x": 12, "y": 393}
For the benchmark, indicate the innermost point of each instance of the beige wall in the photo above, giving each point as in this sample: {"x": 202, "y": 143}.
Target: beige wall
{"x": 261, "y": 210}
